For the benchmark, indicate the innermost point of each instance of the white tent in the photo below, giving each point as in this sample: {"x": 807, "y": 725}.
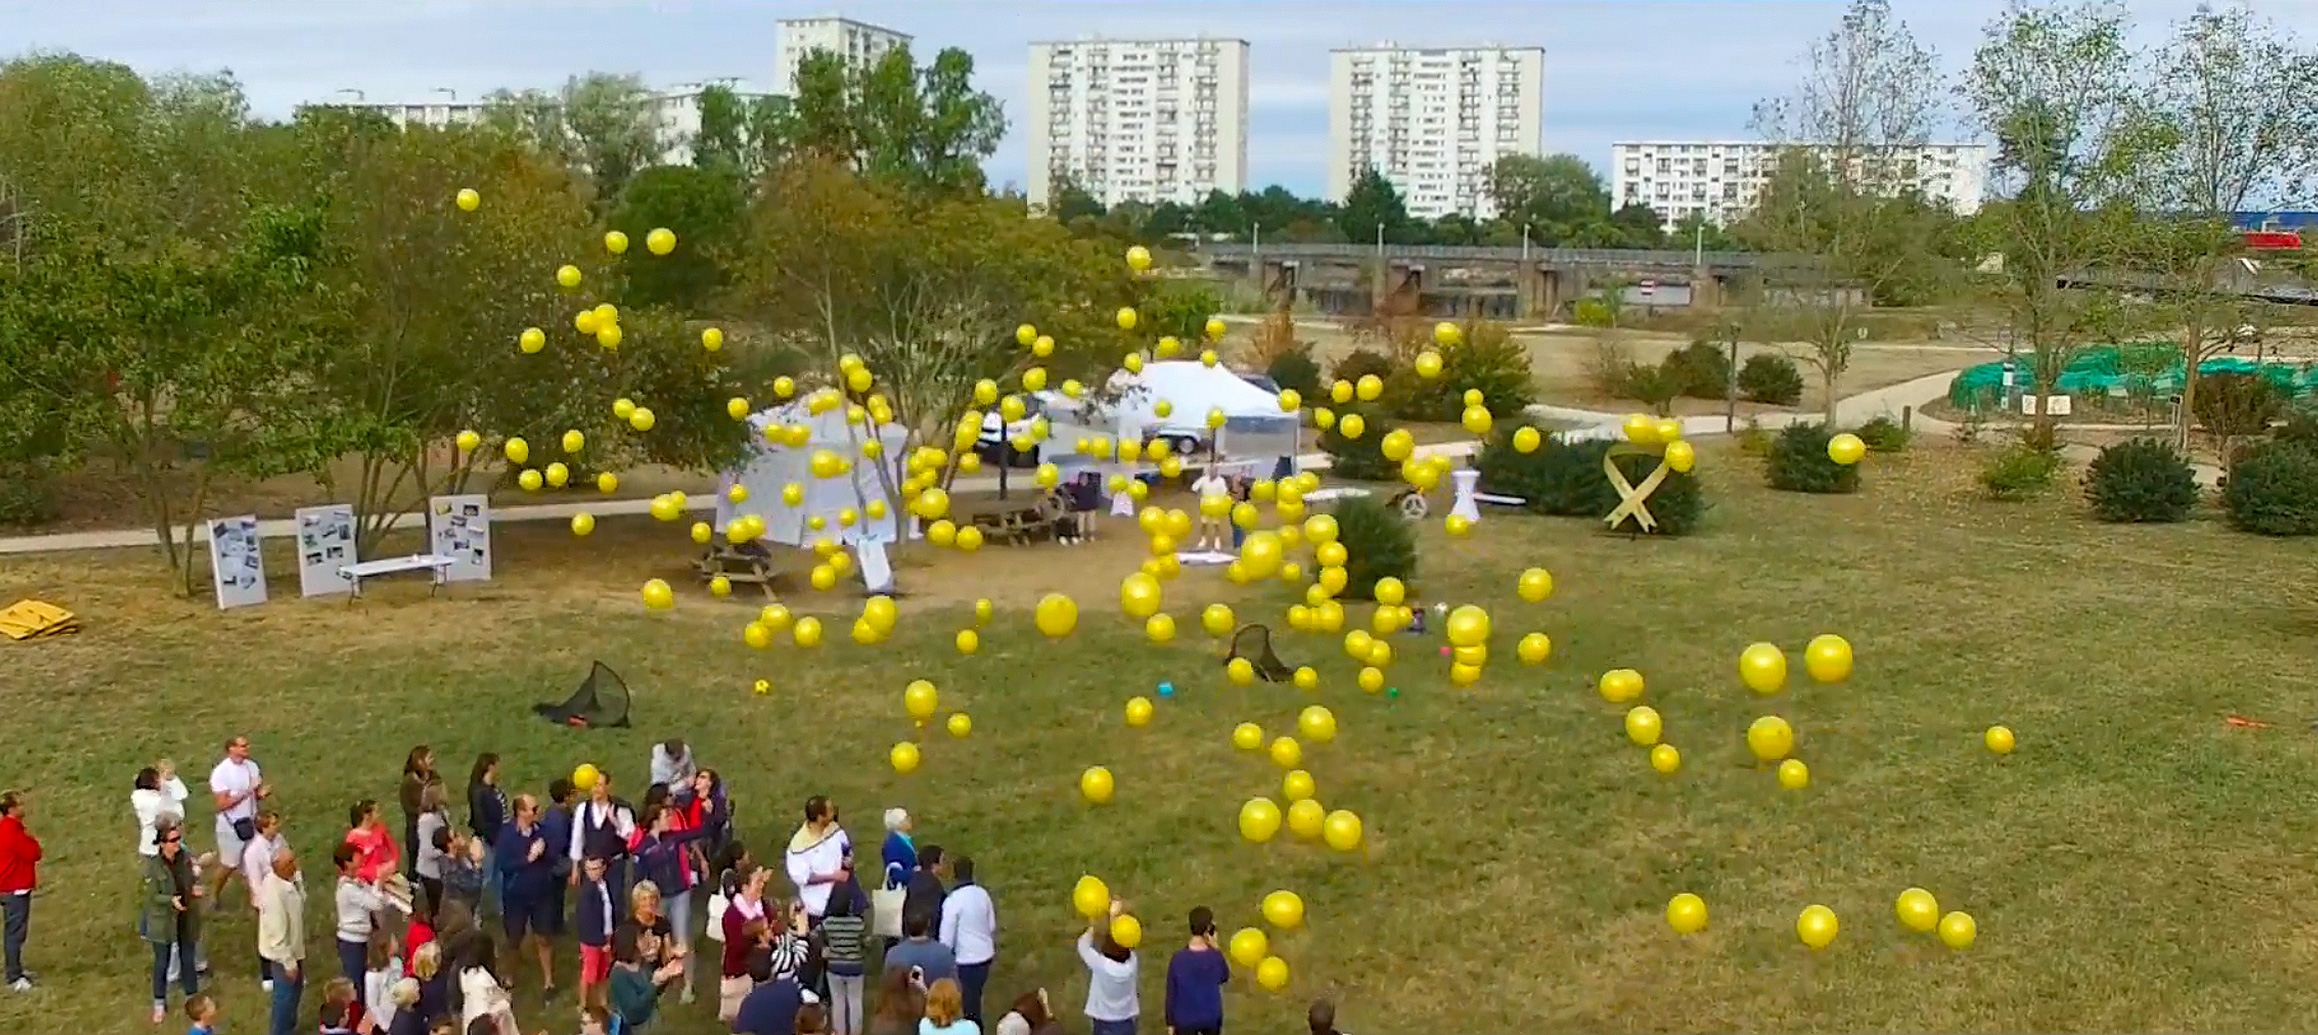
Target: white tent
{"x": 772, "y": 467}
{"x": 1254, "y": 428}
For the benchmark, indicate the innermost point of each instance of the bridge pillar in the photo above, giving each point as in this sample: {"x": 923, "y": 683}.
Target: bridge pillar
{"x": 1705, "y": 289}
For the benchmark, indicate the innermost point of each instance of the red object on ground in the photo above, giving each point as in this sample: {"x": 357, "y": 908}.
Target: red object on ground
{"x": 2273, "y": 240}
{"x": 2244, "y": 723}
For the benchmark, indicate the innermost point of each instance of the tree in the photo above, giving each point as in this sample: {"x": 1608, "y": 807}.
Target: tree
{"x": 926, "y": 289}
{"x": 737, "y": 134}
{"x": 1842, "y": 201}
{"x": 1633, "y": 225}
{"x": 1372, "y": 207}
{"x": 927, "y": 129}
{"x": 704, "y": 206}
{"x": 600, "y": 123}
{"x": 2235, "y": 99}
{"x": 2055, "y": 87}
{"x": 1554, "y": 194}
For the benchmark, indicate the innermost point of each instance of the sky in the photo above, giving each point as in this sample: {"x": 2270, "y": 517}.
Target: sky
{"x": 1615, "y": 69}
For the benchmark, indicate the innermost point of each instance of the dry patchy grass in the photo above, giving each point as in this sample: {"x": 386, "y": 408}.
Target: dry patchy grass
{"x": 2137, "y": 864}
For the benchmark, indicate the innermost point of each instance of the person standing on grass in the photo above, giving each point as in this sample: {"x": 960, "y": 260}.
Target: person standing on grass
{"x": 744, "y": 905}
{"x": 705, "y": 807}
{"x": 594, "y": 917}
{"x": 635, "y": 984}
{"x": 1196, "y": 975}
{"x": 376, "y": 854}
{"x": 282, "y": 938}
{"x": 772, "y": 1003}
{"x": 356, "y": 903}
{"x": 236, "y": 786}
{"x": 418, "y": 771}
{"x": 970, "y": 929}
{"x": 19, "y": 874}
{"x": 900, "y": 851}
{"x": 257, "y": 861}
{"x": 820, "y": 855}
{"x": 930, "y": 960}
{"x": 603, "y": 827}
{"x": 672, "y": 765}
{"x": 555, "y": 828}
{"x": 945, "y": 1014}
{"x": 464, "y": 877}
{"x": 526, "y": 873}
{"x": 434, "y": 831}
{"x": 1032, "y": 1015}
{"x": 900, "y": 1004}
{"x": 667, "y": 858}
{"x": 486, "y": 813}
{"x": 378, "y": 982}
{"x": 1321, "y": 1018}
{"x": 156, "y": 795}
{"x": 170, "y": 918}
{"x": 1112, "y": 1003}
{"x": 926, "y": 892}
{"x": 1211, "y": 527}
{"x": 844, "y": 956}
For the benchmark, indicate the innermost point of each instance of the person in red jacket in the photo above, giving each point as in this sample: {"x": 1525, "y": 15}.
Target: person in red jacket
{"x": 19, "y": 859}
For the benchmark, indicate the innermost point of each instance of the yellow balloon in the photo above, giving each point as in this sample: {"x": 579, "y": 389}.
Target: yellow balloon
{"x": 1259, "y": 820}
{"x": 660, "y": 241}
{"x": 1248, "y": 946}
{"x": 807, "y": 632}
{"x": 1207, "y": 357}
{"x": 1428, "y": 364}
{"x": 1665, "y": 758}
{"x": 584, "y": 777}
{"x": 1533, "y": 649}
{"x": 1446, "y": 333}
{"x": 1042, "y": 347}
{"x": 1139, "y": 595}
{"x": 1669, "y": 430}
{"x": 1138, "y": 259}
{"x": 932, "y": 504}
{"x": 1999, "y": 740}
{"x": 1285, "y": 752}
{"x": 1620, "y": 685}
{"x": 642, "y": 419}
{"x": 1216, "y": 619}
{"x": 516, "y": 450}
{"x": 1957, "y": 931}
{"x": 1468, "y": 626}
{"x": 904, "y": 758}
{"x": 960, "y": 725}
{"x": 1166, "y": 348}
{"x": 1770, "y": 738}
{"x": 711, "y": 339}
{"x": 657, "y": 595}
{"x": 1127, "y": 931}
{"x": 1643, "y": 726}
{"x": 1918, "y": 911}
{"x": 531, "y": 480}
{"x": 1159, "y": 628}
{"x": 1127, "y": 318}
{"x": 1828, "y": 658}
{"x": 1247, "y": 736}
{"x": 1368, "y": 388}
{"x": 1272, "y": 974}
{"x": 757, "y": 636}
{"x": 1846, "y": 449}
{"x": 1458, "y": 525}
{"x": 1133, "y": 363}
{"x": 1816, "y": 926}
{"x": 1306, "y": 819}
{"x": 823, "y": 577}
{"x": 1291, "y": 400}
{"x": 1464, "y": 675}
{"x": 1306, "y": 678}
{"x": 1640, "y": 429}
{"x": 469, "y": 201}
{"x": 1316, "y": 723}
{"x": 1680, "y": 457}
{"x": 1034, "y": 379}
{"x": 719, "y": 586}
{"x": 1056, "y": 615}
{"x": 1024, "y": 334}
{"x": 1794, "y": 775}
{"x": 1283, "y": 910}
{"x": 1534, "y": 585}
{"x": 968, "y": 642}
{"x": 1371, "y": 679}
{"x": 1340, "y": 392}
{"x": 1240, "y": 671}
{"x": 1139, "y": 711}
{"x": 1763, "y": 668}
{"x": 920, "y": 699}
{"x": 1390, "y": 591}
{"x": 1090, "y": 898}
{"x": 1260, "y": 552}
{"x": 1095, "y": 785}
{"x": 615, "y": 242}
{"x": 568, "y": 276}
{"x": 1341, "y": 830}
{"x": 1686, "y": 913}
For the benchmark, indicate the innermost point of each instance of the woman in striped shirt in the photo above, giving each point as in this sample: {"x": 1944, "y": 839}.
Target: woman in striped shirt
{"x": 841, "y": 935}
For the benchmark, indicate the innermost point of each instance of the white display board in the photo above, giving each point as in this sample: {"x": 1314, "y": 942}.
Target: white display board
{"x": 325, "y": 544}
{"x": 236, "y": 567}
{"x": 460, "y": 529}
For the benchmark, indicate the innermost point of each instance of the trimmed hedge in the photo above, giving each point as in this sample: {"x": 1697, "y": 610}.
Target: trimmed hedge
{"x": 1566, "y": 480}
{"x": 1360, "y": 459}
{"x": 1377, "y": 542}
{"x": 2273, "y": 490}
{"x": 1798, "y": 462}
{"x": 2140, "y": 480}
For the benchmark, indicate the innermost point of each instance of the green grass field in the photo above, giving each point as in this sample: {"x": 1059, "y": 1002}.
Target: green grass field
{"x": 2136, "y": 864}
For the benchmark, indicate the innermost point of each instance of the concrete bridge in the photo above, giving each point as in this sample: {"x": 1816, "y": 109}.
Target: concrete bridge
{"x": 1500, "y": 283}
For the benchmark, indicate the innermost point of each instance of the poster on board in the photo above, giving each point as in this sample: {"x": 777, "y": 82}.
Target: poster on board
{"x": 460, "y": 529}
{"x": 325, "y": 544}
{"x": 236, "y": 567}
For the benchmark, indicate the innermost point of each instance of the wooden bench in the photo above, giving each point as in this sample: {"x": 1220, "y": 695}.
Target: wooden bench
{"x": 747, "y": 564}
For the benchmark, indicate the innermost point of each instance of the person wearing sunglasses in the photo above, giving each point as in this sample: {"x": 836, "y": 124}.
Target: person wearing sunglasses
{"x": 171, "y": 917}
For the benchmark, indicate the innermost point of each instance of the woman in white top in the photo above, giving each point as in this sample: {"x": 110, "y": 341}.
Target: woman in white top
{"x": 433, "y": 823}
{"x": 482, "y": 994}
{"x": 1112, "y": 968}
{"x": 1212, "y": 533}
{"x": 160, "y": 795}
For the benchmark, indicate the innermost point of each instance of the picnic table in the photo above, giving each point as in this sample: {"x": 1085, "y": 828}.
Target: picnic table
{"x": 436, "y": 563}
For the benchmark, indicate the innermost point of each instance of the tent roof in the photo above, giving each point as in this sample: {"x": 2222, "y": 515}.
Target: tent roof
{"x": 1193, "y": 389}
{"x": 828, "y": 425}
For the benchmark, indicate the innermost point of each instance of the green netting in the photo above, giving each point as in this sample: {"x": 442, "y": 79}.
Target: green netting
{"x": 2154, "y": 367}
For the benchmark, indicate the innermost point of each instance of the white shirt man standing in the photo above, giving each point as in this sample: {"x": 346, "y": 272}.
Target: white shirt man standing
{"x": 970, "y": 929}
{"x": 236, "y": 786}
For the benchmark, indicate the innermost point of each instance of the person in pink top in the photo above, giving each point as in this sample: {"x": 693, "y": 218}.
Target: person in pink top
{"x": 379, "y": 855}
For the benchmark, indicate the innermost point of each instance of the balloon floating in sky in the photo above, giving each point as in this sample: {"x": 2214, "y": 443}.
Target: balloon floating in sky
{"x": 960, "y": 725}
{"x": 615, "y": 242}
{"x": 1794, "y": 775}
{"x": 1090, "y": 897}
{"x": 1126, "y": 930}
{"x": 1665, "y": 758}
{"x": 1248, "y": 946}
{"x": 1056, "y": 616}
{"x": 1534, "y": 585}
{"x": 583, "y": 523}
{"x": 1341, "y": 830}
{"x": 660, "y": 241}
{"x": 1127, "y": 318}
{"x": 904, "y": 758}
{"x": 1620, "y": 685}
{"x": 1139, "y": 711}
{"x": 1446, "y": 333}
{"x": 568, "y": 276}
{"x": 657, "y": 595}
{"x": 1138, "y": 258}
{"x": 1286, "y": 752}
{"x": 1643, "y": 726}
{"x": 1247, "y": 736}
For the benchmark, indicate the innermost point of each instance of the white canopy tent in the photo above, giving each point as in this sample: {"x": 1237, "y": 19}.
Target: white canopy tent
{"x": 1254, "y": 429}
{"x": 771, "y": 467}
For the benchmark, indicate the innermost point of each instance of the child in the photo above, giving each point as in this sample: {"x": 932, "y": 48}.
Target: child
{"x": 841, "y": 936}
{"x": 635, "y": 991}
{"x": 342, "y": 1008}
{"x": 595, "y": 1021}
{"x": 202, "y": 1011}
{"x": 595, "y": 917}
{"x": 378, "y": 978}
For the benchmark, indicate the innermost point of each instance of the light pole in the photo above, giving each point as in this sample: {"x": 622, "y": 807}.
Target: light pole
{"x": 1525, "y": 247}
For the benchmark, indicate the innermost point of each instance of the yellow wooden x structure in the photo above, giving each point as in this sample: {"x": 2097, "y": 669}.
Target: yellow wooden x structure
{"x": 1633, "y": 499}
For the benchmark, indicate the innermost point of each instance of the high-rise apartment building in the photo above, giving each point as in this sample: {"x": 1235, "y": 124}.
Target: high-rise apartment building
{"x": 858, "y": 42}
{"x": 675, "y": 113}
{"x": 1720, "y": 179}
{"x": 1139, "y": 120}
{"x": 1433, "y": 120}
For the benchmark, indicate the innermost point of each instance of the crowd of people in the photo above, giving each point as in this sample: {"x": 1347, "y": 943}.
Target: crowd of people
{"x": 632, "y": 886}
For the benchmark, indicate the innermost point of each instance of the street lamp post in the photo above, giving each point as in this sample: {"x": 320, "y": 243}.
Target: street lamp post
{"x": 1525, "y": 248}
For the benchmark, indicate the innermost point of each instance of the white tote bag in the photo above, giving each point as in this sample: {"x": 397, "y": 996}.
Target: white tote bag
{"x": 885, "y": 906}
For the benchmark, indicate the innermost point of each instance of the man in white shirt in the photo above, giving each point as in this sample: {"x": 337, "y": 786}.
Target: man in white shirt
{"x": 236, "y": 786}
{"x": 603, "y": 828}
{"x": 820, "y": 856}
{"x": 970, "y": 929}
{"x": 1212, "y": 535}
{"x": 257, "y": 860}
{"x": 281, "y": 899}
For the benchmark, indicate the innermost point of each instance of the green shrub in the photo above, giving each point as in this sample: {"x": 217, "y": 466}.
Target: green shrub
{"x": 2235, "y": 406}
{"x": 1798, "y": 462}
{"x": 2140, "y": 480}
{"x": 27, "y": 497}
{"x": 1354, "y": 364}
{"x": 2019, "y": 471}
{"x": 2273, "y": 490}
{"x": 1753, "y": 440}
{"x": 1884, "y": 435}
{"x": 1566, "y": 480}
{"x": 1485, "y": 358}
{"x": 2300, "y": 429}
{"x": 1702, "y": 368}
{"x": 1378, "y": 543}
{"x": 1296, "y": 369}
{"x": 1656, "y": 387}
{"x": 1770, "y": 378}
{"x": 1360, "y": 459}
